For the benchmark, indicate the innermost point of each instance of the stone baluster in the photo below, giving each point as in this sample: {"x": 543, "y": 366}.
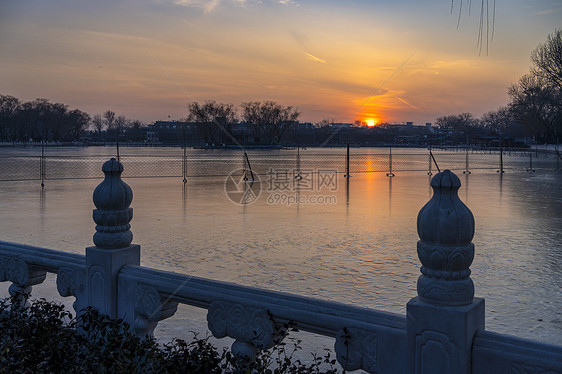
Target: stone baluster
{"x": 442, "y": 320}
{"x": 113, "y": 237}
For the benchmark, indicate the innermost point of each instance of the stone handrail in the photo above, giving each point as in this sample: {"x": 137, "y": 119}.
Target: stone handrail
{"x": 26, "y": 266}
{"x": 249, "y": 311}
{"x": 49, "y": 260}
{"x": 498, "y": 353}
{"x": 442, "y": 332}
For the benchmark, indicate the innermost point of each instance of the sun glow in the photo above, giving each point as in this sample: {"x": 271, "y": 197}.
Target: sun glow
{"x": 371, "y": 122}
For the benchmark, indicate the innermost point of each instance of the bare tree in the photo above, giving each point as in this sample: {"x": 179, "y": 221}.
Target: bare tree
{"x": 502, "y": 122}
{"x": 78, "y": 123}
{"x": 536, "y": 100}
{"x": 98, "y": 123}
{"x": 547, "y": 60}
{"x": 134, "y": 124}
{"x": 536, "y": 103}
{"x": 9, "y": 108}
{"x": 109, "y": 119}
{"x": 269, "y": 118}
{"x": 459, "y": 122}
{"x": 120, "y": 123}
{"x": 463, "y": 123}
{"x": 326, "y": 122}
{"x": 213, "y": 119}
{"x": 40, "y": 120}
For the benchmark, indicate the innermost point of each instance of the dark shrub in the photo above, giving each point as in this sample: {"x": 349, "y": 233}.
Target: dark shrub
{"x": 42, "y": 337}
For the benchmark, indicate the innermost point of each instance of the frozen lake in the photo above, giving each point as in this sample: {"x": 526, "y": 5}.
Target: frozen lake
{"x": 353, "y": 243}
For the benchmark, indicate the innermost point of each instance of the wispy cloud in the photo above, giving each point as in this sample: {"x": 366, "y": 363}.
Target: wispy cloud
{"x": 407, "y": 103}
{"x": 209, "y": 5}
{"x": 289, "y": 2}
{"x": 314, "y": 58}
{"x": 548, "y": 11}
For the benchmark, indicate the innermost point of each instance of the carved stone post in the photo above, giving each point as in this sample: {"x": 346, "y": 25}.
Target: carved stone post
{"x": 112, "y": 240}
{"x": 443, "y": 319}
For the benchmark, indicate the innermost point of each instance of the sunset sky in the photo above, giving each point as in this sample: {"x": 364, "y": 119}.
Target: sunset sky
{"x": 401, "y": 60}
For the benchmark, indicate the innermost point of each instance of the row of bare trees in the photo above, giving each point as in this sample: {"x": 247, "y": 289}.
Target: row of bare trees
{"x": 267, "y": 120}
{"x": 500, "y": 123}
{"x": 536, "y": 100}
{"x": 535, "y": 107}
{"x": 40, "y": 120}
{"x": 111, "y": 125}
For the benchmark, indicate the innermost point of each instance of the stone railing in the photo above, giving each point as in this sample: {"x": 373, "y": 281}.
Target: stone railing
{"x": 442, "y": 332}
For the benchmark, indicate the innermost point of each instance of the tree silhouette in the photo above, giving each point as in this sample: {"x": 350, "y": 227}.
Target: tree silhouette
{"x": 109, "y": 119}
{"x": 269, "y": 118}
{"x": 547, "y": 59}
{"x": 213, "y": 119}
{"x": 536, "y": 100}
{"x": 98, "y": 123}
{"x": 537, "y": 105}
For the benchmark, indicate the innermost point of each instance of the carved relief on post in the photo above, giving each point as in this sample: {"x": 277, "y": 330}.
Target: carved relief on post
{"x": 70, "y": 282}
{"x": 149, "y": 308}
{"x": 357, "y": 349}
{"x": 253, "y": 328}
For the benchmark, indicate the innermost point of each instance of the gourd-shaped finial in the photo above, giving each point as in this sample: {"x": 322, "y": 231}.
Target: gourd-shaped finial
{"x": 112, "y": 198}
{"x": 445, "y": 249}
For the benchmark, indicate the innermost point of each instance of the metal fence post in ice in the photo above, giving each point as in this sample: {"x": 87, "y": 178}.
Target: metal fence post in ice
{"x": 113, "y": 237}
{"x": 501, "y": 161}
{"x": 429, "y": 172}
{"x": 390, "y": 173}
{"x": 466, "y": 170}
{"x": 184, "y": 164}
{"x": 443, "y": 319}
{"x": 347, "y": 175}
{"x": 530, "y": 168}
{"x": 42, "y": 164}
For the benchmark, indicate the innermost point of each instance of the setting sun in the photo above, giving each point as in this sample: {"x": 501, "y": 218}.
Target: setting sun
{"x": 371, "y": 122}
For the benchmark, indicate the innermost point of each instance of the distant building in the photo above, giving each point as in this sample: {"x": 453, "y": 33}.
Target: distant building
{"x": 152, "y": 137}
{"x": 172, "y": 132}
{"x": 306, "y": 126}
{"x": 341, "y": 125}
{"x": 398, "y": 126}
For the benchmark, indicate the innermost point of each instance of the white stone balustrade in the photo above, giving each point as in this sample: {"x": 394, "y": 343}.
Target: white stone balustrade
{"x": 442, "y": 332}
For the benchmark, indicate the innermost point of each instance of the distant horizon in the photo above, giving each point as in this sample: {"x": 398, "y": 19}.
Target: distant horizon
{"x": 358, "y": 59}
{"x": 184, "y": 119}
